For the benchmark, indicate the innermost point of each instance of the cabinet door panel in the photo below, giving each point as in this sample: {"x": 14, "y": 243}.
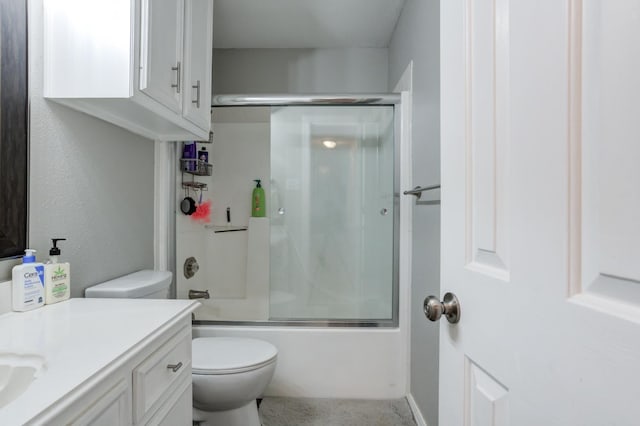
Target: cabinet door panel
{"x": 181, "y": 411}
{"x": 153, "y": 378}
{"x": 197, "y": 58}
{"x": 111, "y": 409}
{"x": 161, "y": 51}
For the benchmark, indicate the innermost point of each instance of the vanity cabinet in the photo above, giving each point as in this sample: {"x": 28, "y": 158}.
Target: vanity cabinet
{"x": 144, "y": 65}
{"x": 151, "y": 386}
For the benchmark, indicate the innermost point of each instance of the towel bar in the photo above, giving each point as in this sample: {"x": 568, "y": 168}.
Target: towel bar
{"x": 418, "y": 190}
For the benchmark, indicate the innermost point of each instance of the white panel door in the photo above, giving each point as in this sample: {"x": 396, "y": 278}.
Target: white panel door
{"x": 541, "y": 212}
{"x": 161, "y": 64}
{"x": 197, "y": 59}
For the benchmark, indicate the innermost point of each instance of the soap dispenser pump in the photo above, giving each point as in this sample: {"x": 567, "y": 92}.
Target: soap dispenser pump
{"x": 257, "y": 200}
{"x": 57, "y": 276}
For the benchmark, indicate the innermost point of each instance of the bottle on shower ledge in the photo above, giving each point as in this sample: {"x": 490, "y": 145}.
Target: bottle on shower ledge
{"x": 203, "y": 155}
{"x": 257, "y": 200}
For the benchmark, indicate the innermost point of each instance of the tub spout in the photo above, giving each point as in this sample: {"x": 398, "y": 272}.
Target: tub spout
{"x": 199, "y": 294}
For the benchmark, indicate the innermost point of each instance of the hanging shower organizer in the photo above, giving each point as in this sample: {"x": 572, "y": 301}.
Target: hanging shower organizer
{"x": 195, "y": 167}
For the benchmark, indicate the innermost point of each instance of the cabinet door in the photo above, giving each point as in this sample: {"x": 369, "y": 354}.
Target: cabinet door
{"x": 111, "y": 409}
{"x": 157, "y": 377}
{"x": 181, "y": 412}
{"x": 161, "y": 51}
{"x": 197, "y": 58}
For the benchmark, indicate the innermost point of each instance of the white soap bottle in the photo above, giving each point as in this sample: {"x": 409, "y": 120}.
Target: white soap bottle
{"x": 28, "y": 283}
{"x": 57, "y": 276}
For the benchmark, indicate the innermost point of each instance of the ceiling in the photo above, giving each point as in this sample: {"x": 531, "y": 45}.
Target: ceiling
{"x": 304, "y": 23}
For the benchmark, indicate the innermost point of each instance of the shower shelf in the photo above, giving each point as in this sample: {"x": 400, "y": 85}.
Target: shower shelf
{"x": 194, "y": 185}
{"x": 196, "y": 167}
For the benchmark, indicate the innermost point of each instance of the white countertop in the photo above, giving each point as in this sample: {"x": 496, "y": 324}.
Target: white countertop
{"x": 78, "y": 338}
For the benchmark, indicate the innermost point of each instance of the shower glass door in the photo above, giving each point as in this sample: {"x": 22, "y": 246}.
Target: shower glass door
{"x": 332, "y": 213}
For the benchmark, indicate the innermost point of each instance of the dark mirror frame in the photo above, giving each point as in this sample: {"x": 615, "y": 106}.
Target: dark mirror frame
{"x": 14, "y": 128}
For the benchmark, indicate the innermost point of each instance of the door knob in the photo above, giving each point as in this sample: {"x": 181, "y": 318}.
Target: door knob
{"x": 450, "y": 307}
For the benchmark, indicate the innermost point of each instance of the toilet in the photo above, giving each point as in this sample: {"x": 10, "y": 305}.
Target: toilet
{"x": 228, "y": 373}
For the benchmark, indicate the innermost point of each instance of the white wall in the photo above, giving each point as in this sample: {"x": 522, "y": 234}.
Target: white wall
{"x": 300, "y": 70}
{"x": 90, "y": 182}
{"x": 416, "y": 38}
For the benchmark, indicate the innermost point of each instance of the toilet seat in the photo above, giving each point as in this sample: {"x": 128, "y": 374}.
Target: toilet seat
{"x": 230, "y": 355}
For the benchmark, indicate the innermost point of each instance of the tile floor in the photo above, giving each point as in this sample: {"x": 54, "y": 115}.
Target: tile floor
{"x": 335, "y": 412}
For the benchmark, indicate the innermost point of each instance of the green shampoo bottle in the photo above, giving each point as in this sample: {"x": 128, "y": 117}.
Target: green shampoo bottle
{"x": 257, "y": 201}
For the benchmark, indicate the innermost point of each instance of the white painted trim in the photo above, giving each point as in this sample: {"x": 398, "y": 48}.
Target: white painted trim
{"x": 404, "y": 86}
{"x": 163, "y": 185}
{"x": 575, "y": 148}
{"x": 417, "y": 414}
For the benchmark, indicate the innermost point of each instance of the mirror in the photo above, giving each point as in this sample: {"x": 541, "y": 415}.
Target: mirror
{"x": 14, "y": 141}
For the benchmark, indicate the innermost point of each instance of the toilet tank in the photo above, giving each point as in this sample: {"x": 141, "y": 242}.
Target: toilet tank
{"x": 144, "y": 284}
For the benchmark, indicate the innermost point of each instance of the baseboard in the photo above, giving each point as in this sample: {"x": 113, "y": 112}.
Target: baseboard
{"x": 417, "y": 414}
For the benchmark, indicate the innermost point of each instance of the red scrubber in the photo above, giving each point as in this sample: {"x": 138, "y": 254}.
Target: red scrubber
{"x": 203, "y": 212}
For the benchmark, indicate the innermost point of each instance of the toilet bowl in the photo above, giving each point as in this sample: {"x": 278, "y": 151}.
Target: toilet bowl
{"x": 229, "y": 373}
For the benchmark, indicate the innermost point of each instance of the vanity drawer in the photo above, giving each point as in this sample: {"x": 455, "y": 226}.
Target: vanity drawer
{"x": 158, "y": 375}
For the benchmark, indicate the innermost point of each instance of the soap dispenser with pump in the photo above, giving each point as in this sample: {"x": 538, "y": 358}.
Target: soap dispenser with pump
{"x": 56, "y": 276}
{"x": 27, "y": 283}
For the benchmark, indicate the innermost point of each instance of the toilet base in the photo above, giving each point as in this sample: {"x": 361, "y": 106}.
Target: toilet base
{"x": 247, "y": 415}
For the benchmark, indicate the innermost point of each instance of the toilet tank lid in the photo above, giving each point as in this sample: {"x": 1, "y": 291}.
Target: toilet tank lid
{"x": 131, "y": 286}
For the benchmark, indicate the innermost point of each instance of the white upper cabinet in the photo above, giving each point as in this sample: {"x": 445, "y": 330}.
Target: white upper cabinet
{"x": 197, "y": 61}
{"x": 144, "y": 65}
{"x": 161, "y": 51}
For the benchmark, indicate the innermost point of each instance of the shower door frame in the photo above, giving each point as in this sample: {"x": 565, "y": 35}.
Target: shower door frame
{"x": 377, "y": 99}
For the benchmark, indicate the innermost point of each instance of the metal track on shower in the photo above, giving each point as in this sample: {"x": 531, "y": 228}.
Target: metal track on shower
{"x": 305, "y": 99}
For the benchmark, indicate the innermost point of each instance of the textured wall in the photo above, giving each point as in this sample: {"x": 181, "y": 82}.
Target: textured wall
{"x": 90, "y": 182}
{"x": 300, "y": 70}
{"x": 416, "y": 38}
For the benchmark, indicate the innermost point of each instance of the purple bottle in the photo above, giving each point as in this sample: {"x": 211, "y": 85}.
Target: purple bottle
{"x": 189, "y": 152}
